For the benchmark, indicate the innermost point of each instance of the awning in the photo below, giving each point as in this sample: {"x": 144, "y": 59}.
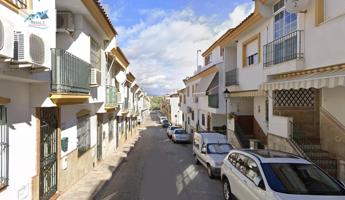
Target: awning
{"x": 330, "y": 79}
{"x": 252, "y": 93}
{"x": 203, "y": 85}
{"x": 214, "y": 85}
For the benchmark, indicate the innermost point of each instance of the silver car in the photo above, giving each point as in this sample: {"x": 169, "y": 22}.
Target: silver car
{"x": 274, "y": 175}
{"x": 171, "y": 129}
{"x": 180, "y": 135}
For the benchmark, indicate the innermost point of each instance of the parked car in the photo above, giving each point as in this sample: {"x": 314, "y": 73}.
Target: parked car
{"x": 162, "y": 118}
{"x": 273, "y": 175}
{"x": 171, "y": 129}
{"x": 210, "y": 149}
{"x": 180, "y": 135}
{"x": 166, "y": 123}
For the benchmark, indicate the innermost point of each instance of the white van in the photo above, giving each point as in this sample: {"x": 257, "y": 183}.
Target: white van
{"x": 210, "y": 149}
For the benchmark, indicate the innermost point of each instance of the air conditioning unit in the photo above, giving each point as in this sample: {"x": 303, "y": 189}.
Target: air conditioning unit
{"x": 6, "y": 39}
{"x": 64, "y": 22}
{"x": 95, "y": 78}
{"x": 29, "y": 50}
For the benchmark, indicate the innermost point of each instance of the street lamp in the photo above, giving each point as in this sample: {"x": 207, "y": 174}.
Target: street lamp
{"x": 226, "y": 97}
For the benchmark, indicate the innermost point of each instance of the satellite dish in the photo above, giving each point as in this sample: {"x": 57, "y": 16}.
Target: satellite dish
{"x": 121, "y": 77}
{"x": 296, "y": 6}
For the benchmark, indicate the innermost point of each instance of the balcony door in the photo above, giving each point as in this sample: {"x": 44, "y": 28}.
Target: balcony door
{"x": 285, "y": 23}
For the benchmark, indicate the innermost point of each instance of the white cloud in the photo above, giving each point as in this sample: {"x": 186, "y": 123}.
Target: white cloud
{"x": 162, "y": 47}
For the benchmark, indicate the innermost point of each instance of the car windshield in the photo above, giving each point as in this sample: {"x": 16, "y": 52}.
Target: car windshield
{"x": 221, "y": 148}
{"x": 174, "y": 127}
{"x": 180, "y": 132}
{"x": 296, "y": 178}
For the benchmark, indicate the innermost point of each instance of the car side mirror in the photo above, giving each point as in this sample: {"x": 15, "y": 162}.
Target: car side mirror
{"x": 203, "y": 150}
{"x": 259, "y": 182}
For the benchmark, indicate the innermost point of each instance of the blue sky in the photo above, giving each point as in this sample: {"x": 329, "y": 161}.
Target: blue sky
{"x": 161, "y": 37}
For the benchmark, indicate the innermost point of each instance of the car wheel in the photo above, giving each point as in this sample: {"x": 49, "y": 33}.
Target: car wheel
{"x": 226, "y": 190}
{"x": 197, "y": 162}
{"x": 209, "y": 171}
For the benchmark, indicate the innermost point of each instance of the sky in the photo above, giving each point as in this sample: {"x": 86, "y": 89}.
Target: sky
{"x": 161, "y": 37}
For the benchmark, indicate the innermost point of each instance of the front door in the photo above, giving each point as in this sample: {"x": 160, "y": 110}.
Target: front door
{"x": 99, "y": 136}
{"x": 208, "y": 122}
{"x": 48, "y": 152}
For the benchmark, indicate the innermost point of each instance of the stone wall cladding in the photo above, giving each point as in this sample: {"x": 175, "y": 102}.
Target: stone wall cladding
{"x": 281, "y": 144}
{"x": 233, "y": 139}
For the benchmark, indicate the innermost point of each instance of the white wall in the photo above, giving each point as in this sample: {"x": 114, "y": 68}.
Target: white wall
{"x": 69, "y": 125}
{"x": 333, "y": 101}
{"x": 22, "y": 138}
{"x": 175, "y": 110}
{"x": 329, "y": 48}
{"x": 242, "y": 105}
{"x": 260, "y": 112}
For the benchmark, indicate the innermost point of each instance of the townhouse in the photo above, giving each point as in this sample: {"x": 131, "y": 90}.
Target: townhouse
{"x": 203, "y": 97}
{"x": 65, "y": 88}
{"x": 284, "y": 68}
{"x": 170, "y": 107}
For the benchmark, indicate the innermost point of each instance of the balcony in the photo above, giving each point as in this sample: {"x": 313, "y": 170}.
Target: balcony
{"x": 111, "y": 98}
{"x": 231, "y": 78}
{"x": 70, "y": 78}
{"x": 213, "y": 101}
{"x": 125, "y": 106}
{"x": 286, "y": 48}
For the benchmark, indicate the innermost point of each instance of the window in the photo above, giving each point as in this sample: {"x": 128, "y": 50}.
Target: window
{"x": 4, "y": 144}
{"x": 284, "y": 22}
{"x": 188, "y": 121}
{"x": 233, "y": 159}
{"x": 251, "y": 51}
{"x": 188, "y": 91}
{"x": 252, "y": 59}
{"x": 95, "y": 56}
{"x": 183, "y": 117}
{"x": 203, "y": 119}
{"x": 83, "y": 134}
{"x": 193, "y": 115}
{"x": 221, "y": 52}
{"x": 208, "y": 59}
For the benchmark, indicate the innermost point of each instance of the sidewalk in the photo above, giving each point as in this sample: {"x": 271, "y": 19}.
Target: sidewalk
{"x": 92, "y": 182}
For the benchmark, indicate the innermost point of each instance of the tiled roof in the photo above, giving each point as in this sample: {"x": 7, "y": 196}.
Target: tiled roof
{"x": 105, "y": 14}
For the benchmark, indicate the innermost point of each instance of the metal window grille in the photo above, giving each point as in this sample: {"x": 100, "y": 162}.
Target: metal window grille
{"x": 19, "y": 3}
{"x": 95, "y": 54}
{"x": 83, "y": 134}
{"x": 294, "y": 98}
{"x": 4, "y": 144}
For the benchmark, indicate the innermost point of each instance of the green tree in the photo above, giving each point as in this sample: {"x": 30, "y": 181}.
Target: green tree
{"x": 156, "y": 103}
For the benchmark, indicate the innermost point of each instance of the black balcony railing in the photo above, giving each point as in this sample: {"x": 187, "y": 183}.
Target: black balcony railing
{"x": 69, "y": 73}
{"x": 111, "y": 96}
{"x": 213, "y": 101}
{"x": 231, "y": 77}
{"x": 19, "y": 3}
{"x": 283, "y": 49}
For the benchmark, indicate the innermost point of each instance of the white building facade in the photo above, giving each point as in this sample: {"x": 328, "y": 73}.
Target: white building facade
{"x": 61, "y": 74}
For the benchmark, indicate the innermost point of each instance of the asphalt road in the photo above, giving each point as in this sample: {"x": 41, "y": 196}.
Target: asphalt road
{"x": 158, "y": 169}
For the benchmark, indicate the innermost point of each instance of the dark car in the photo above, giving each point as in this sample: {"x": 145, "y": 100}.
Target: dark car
{"x": 165, "y": 124}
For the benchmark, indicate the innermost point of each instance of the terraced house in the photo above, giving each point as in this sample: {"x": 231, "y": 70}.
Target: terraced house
{"x": 285, "y": 72}
{"x": 67, "y": 96}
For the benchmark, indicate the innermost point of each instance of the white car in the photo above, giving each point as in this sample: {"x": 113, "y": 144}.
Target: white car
{"x": 162, "y": 118}
{"x": 170, "y": 130}
{"x": 210, "y": 149}
{"x": 274, "y": 175}
{"x": 180, "y": 135}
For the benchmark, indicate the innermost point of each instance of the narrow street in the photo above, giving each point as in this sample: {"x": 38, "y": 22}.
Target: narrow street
{"x": 159, "y": 169}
